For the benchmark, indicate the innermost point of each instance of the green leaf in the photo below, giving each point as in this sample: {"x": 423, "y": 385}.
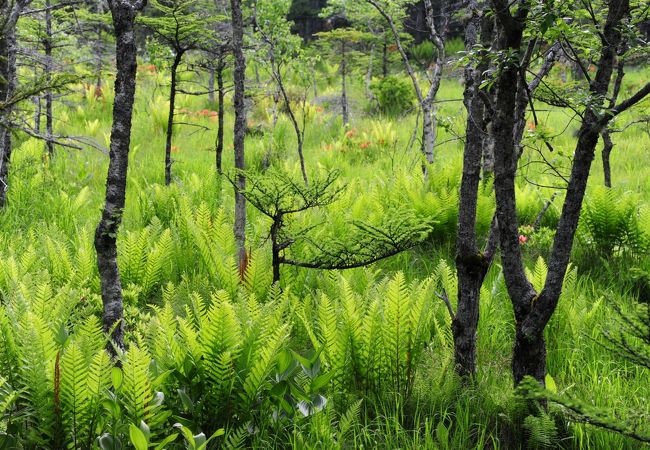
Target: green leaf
{"x": 138, "y": 438}
{"x": 168, "y": 440}
{"x": 550, "y": 384}
{"x": 117, "y": 377}
{"x": 321, "y": 381}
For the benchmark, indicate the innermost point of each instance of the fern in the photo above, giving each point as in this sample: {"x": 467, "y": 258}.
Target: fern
{"x": 74, "y": 395}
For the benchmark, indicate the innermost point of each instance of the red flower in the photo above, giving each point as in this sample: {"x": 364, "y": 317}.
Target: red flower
{"x": 522, "y": 239}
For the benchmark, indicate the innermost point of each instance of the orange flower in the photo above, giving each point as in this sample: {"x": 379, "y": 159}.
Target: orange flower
{"x": 175, "y": 149}
{"x": 350, "y": 134}
{"x": 365, "y": 145}
{"x": 531, "y": 125}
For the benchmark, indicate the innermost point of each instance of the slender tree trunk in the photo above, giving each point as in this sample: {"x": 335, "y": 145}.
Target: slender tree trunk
{"x": 170, "y": 119}
{"x": 37, "y": 113}
{"x": 275, "y": 248}
{"x": 48, "y": 79}
{"x": 292, "y": 117}
{"x": 7, "y": 87}
{"x": 608, "y": 146}
{"x": 344, "y": 93}
{"x": 471, "y": 264}
{"x": 384, "y": 57}
{"x": 240, "y": 131}
{"x": 221, "y": 95}
{"x": 123, "y": 14}
{"x": 371, "y": 61}
{"x": 211, "y": 85}
{"x": 428, "y": 134}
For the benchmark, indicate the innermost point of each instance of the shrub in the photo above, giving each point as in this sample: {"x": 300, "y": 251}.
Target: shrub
{"x": 394, "y": 95}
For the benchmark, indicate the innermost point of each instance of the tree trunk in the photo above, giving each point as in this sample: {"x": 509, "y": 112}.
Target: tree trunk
{"x": 344, "y": 94}
{"x": 607, "y": 151}
{"x": 428, "y": 135}
{"x": 528, "y": 357}
{"x": 106, "y": 233}
{"x": 299, "y": 133}
{"x": 222, "y": 108}
{"x": 368, "y": 80}
{"x": 8, "y": 84}
{"x": 533, "y": 310}
{"x": 471, "y": 265}
{"x": 37, "y": 113}
{"x": 170, "y": 119}
{"x": 211, "y": 85}
{"x": 384, "y": 57}
{"x": 275, "y": 248}
{"x": 240, "y": 130}
{"x": 48, "y": 79}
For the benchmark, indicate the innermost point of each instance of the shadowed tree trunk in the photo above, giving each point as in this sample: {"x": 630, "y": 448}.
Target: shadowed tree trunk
{"x": 344, "y": 92}
{"x": 8, "y": 82}
{"x": 533, "y": 310}
{"x": 471, "y": 264}
{"x": 608, "y": 146}
{"x": 221, "y": 94}
{"x": 49, "y": 131}
{"x": 239, "y": 76}
{"x": 124, "y": 13}
{"x": 170, "y": 118}
{"x": 211, "y": 84}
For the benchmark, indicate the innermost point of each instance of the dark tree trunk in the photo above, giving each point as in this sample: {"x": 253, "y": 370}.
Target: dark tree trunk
{"x": 49, "y": 131}
{"x": 528, "y": 357}
{"x": 7, "y": 86}
{"x": 170, "y": 119}
{"x": 124, "y": 14}
{"x": 211, "y": 85}
{"x": 608, "y": 146}
{"x": 533, "y": 311}
{"x": 275, "y": 248}
{"x": 292, "y": 117}
{"x": 471, "y": 265}
{"x": 240, "y": 131}
{"x": 37, "y": 113}
{"x": 344, "y": 93}
{"x": 384, "y": 57}
{"x": 221, "y": 94}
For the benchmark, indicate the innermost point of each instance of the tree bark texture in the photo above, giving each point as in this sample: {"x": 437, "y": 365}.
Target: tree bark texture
{"x": 533, "y": 310}
{"x": 8, "y": 84}
{"x": 471, "y": 264}
{"x": 124, "y": 13}
{"x": 344, "y": 91}
{"x": 49, "y": 126}
{"x": 220, "y": 95}
{"x": 170, "y": 119}
{"x": 240, "y": 131}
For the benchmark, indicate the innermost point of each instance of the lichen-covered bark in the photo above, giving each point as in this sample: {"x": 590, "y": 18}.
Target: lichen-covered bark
{"x": 8, "y": 82}
{"x": 124, "y": 13}
{"x": 240, "y": 129}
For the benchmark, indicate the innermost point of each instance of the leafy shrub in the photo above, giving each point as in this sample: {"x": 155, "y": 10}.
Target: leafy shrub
{"x": 394, "y": 95}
